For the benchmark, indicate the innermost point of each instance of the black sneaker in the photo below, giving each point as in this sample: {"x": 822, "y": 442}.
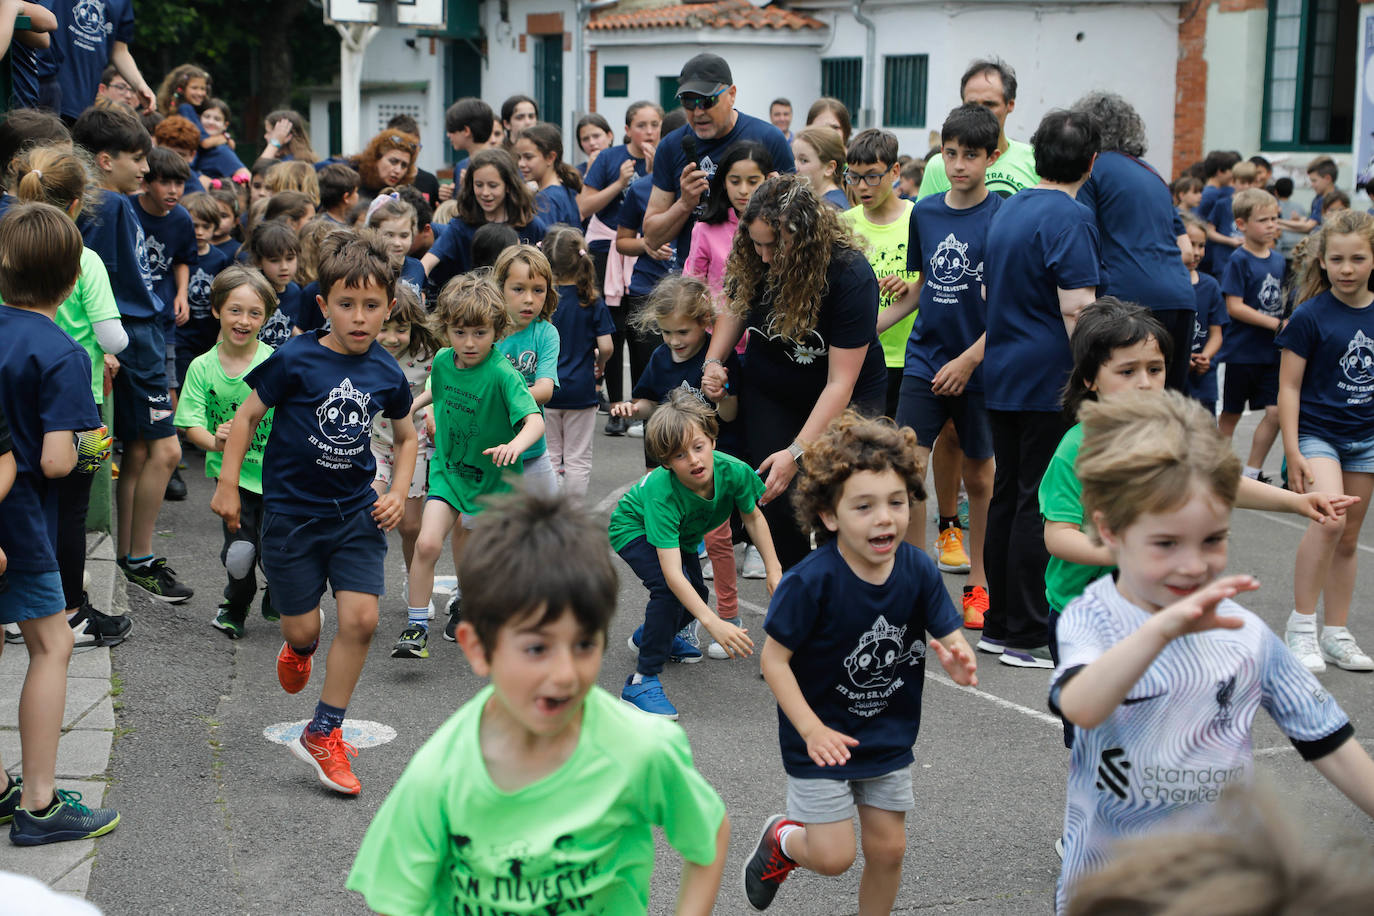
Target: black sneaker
{"x": 455, "y": 613}
{"x": 268, "y": 612}
{"x": 229, "y": 620}
{"x": 67, "y": 820}
{"x": 9, "y": 801}
{"x": 93, "y": 628}
{"x": 176, "y": 487}
{"x": 616, "y": 426}
{"x": 768, "y": 867}
{"x": 1264, "y": 478}
{"x": 412, "y": 643}
{"x": 157, "y": 579}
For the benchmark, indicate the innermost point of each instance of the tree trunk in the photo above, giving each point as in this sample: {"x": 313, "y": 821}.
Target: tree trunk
{"x": 275, "y": 56}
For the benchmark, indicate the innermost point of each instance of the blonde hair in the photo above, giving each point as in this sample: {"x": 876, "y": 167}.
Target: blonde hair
{"x": 667, "y": 430}
{"x": 293, "y": 176}
{"x": 312, "y": 236}
{"x": 445, "y": 212}
{"x": 676, "y": 294}
{"x": 57, "y": 174}
{"x": 1245, "y": 203}
{"x": 236, "y": 275}
{"x": 536, "y": 264}
{"x": 1142, "y": 453}
{"x": 470, "y": 300}
{"x": 1307, "y": 264}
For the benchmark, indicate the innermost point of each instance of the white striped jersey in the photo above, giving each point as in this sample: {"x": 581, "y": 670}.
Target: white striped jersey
{"x": 1182, "y": 734}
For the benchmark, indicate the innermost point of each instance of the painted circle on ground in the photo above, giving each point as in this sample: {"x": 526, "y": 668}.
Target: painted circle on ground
{"x": 358, "y": 732}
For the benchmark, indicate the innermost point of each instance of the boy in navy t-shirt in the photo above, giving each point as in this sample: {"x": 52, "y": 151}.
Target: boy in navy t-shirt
{"x": 1253, "y": 287}
{"x": 845, "y": 657}
{"x": 1209, "y": 324}
{"x": 171, "y": 240}
{"x": 119, "y": 146}
{"x": 45, "y": 398}
{"x": 1221, "y": 239}
{"x": 322, "y": 521}
{"x": 942, "y": 380}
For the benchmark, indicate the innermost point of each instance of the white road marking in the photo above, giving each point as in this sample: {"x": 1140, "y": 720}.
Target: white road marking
{"x": 357, "y": 732}
{"x": 1299, "y": 526}
{"x": 608, "y": 502}
{"x": 993, "y": 698}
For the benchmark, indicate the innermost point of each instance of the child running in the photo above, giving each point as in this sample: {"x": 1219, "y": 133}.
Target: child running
{"x": 241, "y": 300}
{"x": 585, "y": 328}
{"x": 483, "y": 419}
{"x": 1161, "y": 673}
{"x": 540, "y": 794}
{"x": 655, "y": 528}
{"x": 322, "y": 521}
{"x": 845, "y": 656}
{"x": 525, "y": 279}
{"x": 1326, "y": 413}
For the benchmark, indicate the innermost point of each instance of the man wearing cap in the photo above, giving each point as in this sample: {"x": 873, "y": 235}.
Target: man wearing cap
{"x": 686, "y": 158}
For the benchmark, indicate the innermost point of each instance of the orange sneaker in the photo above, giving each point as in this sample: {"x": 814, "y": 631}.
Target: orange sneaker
{"x": 329, "y": 754}
{"x": 293, "y": 670}
{"x": 975, "y": 606}
{"x": 949, "y": 551}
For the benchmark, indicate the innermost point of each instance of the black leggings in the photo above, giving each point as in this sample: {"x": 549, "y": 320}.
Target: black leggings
{"x": 1179, "y": 324}
{"x": 641, "y": 346}
{"x": 73, "y": 499}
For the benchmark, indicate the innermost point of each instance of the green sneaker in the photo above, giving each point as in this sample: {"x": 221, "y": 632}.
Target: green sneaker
{"x": 9, "y": 802}
{"x": 269, "y": 613}
{"x": 67, "y": 820}
{"x": 229, "y": 620}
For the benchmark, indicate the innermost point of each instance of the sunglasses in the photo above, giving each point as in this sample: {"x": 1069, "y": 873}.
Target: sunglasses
{"x": 700, "y": 102}
{"x": 403, "y": 144}
{"x": 871, "y": 180}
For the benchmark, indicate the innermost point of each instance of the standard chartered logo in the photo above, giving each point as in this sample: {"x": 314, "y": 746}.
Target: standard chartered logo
{"x": 1164, "y": 784}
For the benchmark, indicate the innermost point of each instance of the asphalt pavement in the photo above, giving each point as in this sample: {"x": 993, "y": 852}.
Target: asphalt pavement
{"x": 218, "y": 818}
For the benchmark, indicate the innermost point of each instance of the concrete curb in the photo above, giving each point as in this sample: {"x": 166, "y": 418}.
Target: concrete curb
{"x": 88, "y": 730}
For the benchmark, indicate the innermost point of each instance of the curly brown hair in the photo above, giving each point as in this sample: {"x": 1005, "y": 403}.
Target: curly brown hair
{"x": 852, "y": 443}
{"x": 379, "y": 146}
{"x": 795, "y": 281}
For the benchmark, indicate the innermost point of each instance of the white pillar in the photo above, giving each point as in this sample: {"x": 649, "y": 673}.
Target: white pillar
{"x": 353, "y": 41}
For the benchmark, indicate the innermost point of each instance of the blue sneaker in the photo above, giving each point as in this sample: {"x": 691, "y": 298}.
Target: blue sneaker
{"x": 681, "y": 651}
{"x": 648, "y": 696}
{"x": 68, "y": 820}
{"x": 9, "y": 802}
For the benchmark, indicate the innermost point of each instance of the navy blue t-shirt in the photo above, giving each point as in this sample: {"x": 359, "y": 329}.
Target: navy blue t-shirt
{"x": 112, "y": 230}
{"x": 85, "y": 36}
{"x": 662, "y": 375}
{"x": 1336, "y": 403}
{"x": 45, "y": 386}
{"x": 1139, "y": 229}
{"x": 25, "y": 65}
{"x": 1259, "y": 284}
{"x": 1215, "y": 208}
{"x": 859, "y": 655}
{"x": 276, "y": 331}
{"x": 171, "y": 239}
{"x": 413, "y": 275}
{"x": 794, "y": 372}
{"x": 218, "y": 161}
{"x": 199, "y": 334}
{"x": 454, "y": 247}
{"x": 1211, "y": 309}
{"x": 603, "y": 173}
{"x": 1039, "y": 241}
{"x": 647, "y": 271}
{"x": 837, "y": 199}
{"x": 578, "y": 328}
{"x": 558, "y": 204}
{"x": 318, "y": 460}
{"x": 946, "y": 246}
{"x": 230, "y": 247}
{"x": 309, "y": 317}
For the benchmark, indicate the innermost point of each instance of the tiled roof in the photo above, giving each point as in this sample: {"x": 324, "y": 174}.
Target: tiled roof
{"x": 722, "y": 14}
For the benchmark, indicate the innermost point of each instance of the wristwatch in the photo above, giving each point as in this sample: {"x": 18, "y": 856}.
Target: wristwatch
{"x": 795, "y": 450}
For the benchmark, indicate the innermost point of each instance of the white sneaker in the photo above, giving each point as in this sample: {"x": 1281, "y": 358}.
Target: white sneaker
{"x": 707, "y": 570}
{"x": 753, "y": 564}
{"x": 1341, "y": 650}
{"x": 636, "y": 430}
{"x": 715, "y": 650}
{"x": 1303, "y": 644}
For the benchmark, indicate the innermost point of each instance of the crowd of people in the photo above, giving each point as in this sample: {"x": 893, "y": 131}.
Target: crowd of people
{"x": 808, "y": 319}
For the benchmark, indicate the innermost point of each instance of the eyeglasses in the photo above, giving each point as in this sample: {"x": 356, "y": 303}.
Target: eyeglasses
{"x": 701, "y": 102}
{"x": 121, "y": 87}
{"x": 871, "y": 180}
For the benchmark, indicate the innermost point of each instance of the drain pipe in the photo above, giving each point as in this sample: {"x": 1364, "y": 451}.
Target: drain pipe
{"x": 870, "y": 62}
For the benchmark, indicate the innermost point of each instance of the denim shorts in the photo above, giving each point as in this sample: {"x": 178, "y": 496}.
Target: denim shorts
{"x": 1354, "y": 457}
{"x": 31, "y": 596}
{"x": 301, "y": 552}
{"x": 825, "y": 801}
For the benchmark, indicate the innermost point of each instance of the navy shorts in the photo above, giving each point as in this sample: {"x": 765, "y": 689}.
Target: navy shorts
{"x": 301, "y": 552}
{"x": 1257, "y": 385}
{"x": 926, "y": 412}
{"x": 31, "y": 595}
{"x": 142, "y": 406}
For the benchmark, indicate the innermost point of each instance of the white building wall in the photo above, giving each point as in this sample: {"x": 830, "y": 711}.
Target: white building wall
{"x": 1235, "y": 56}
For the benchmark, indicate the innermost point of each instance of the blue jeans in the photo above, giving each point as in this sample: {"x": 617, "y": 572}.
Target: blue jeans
{"x": 664, "y": 615}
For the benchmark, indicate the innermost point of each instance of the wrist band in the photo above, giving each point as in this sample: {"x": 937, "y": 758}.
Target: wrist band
{"x": 709, "y": 360}
{"x": 276, "y": 144}
{"x": 795, "y": 450}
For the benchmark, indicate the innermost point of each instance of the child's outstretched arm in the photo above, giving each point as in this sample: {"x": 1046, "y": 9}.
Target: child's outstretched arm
{"x": 735, "y": 640}
{"x": 696, "y": 895}
{"x": 1067, "y": 541}
{"x": 1323, "y": 508}
{"x": 390, "y": 507}
{"x": 225, "y": 502}
{"x": 1095, "y": 692}
{"x": 205, "y": 440}
{"x": 638, "y": 409}
{"x": 825, "y": 746}
{"x": 757, "y": 526}
{"x": 531, "y": 428}
{"x": 1349, "y": 769}
{"x": 957, "y": 658}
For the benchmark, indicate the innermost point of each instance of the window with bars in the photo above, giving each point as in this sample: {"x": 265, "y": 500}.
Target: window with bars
{"x": 842, "y": 78}
{"x": 904, "y": 90}
{"x": 1310, "y": 92}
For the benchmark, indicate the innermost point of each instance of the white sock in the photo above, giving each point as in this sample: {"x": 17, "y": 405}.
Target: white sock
{"x": 1303, "y": 623}
{"x": 783, "y": 833}
{"x": 1334, "y": 631}
{"x": 637, "y": 679}
{"x": 1252, "y": 473}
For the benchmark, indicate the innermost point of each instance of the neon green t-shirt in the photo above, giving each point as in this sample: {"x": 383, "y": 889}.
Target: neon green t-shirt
{"x": 209, "y": 397}
{"x": 1061, "y": 500}
{"x": 91, "y": 300}
{"x": 1013, "y": 171}
{"x": 534, "y": 354}
{"x": 667, "y": 514}
{"x": 474, "y": 409}
{"x": 887, "y": 255}
{"x": 447, "y": 840}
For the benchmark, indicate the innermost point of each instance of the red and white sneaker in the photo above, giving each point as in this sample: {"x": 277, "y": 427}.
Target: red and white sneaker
{"x": 328, "y": 755}
{"x": 293, "y": 669}
{"x": 769, "y": 866}
{"x": 975, "y": 606}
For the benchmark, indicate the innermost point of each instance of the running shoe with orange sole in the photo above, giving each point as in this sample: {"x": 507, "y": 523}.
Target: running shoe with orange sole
{"x": 293, "y": 669}
{"x": 328, "y": 756}
{"x": 975, "y": 606}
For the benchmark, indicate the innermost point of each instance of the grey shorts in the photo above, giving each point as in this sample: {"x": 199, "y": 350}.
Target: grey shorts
{"x": 825, "y": 801}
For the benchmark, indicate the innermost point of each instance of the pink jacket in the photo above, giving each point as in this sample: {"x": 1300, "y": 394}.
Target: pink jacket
{"x": 710, "y": 250}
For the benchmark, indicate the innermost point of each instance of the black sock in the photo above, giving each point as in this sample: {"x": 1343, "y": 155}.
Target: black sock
{"x": 967, "y": 589}
{"x": 949, "y": 521}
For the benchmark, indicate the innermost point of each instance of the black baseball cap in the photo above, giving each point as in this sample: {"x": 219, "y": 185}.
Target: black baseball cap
{"x": 704, "y": 74}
